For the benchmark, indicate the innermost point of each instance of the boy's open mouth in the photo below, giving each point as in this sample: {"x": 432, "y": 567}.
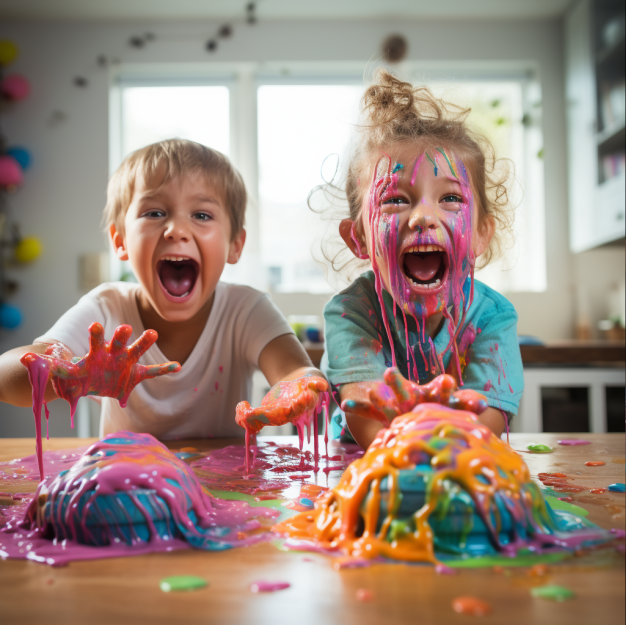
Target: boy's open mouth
{"x": 425, "y": 266}
{"x": 178, "y": 275}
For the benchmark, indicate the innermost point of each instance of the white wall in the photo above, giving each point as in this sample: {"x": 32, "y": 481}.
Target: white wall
{"x": 64, "y": 193}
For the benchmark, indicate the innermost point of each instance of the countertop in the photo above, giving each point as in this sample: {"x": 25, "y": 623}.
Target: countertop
{"x": 126, "y": 590}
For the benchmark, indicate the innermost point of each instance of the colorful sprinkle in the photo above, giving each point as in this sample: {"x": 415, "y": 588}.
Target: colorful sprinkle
{"x": 552, "y": 592}
{"x": 268, "y": 586}
{"x": 617, "y": 488}
{"x": 363, "y": 594}
{"x": 178, "y": 583}
{"x": 539, "y": 448}
{"x": 471, "y": 606}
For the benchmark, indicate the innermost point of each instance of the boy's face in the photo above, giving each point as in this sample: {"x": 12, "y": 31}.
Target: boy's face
{"x": 177, "y": 238}
{"x": 419, "y": 220}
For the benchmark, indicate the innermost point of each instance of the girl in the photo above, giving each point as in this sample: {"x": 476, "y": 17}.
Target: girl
{"x": 424, "y": 205}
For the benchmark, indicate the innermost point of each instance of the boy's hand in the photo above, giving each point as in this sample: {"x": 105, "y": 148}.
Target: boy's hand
{"x": 108, "y": 370}
{"x": 397, "y": 396}
{"x": 285, "y": 402}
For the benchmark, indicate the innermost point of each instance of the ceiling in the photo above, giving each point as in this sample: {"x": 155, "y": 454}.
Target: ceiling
{"x": 280, "y": 9}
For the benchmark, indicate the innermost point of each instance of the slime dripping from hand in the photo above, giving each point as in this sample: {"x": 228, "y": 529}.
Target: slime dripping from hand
{"x": 108, "y": 370}
{"x": 295, "y": 401}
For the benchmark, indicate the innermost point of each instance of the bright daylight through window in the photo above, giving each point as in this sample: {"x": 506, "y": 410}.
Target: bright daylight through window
{"x": 303, "y": 139}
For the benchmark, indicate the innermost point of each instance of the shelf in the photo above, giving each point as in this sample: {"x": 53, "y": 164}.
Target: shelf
{"x": 611, "y": 138}
{"x": 611, "y": 54}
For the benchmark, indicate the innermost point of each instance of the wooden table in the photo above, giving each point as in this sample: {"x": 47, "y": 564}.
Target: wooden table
{"x": 126, "y": 590}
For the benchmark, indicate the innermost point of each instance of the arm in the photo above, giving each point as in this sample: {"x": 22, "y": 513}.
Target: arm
{"x": 296, "y": 389}
{"x": 284, "y": 359}
{"x": 14, "y": 384}
{"x": 363, "y": 429}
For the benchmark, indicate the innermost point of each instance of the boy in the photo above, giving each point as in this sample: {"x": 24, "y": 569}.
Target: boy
{"x": 175, "y": 210}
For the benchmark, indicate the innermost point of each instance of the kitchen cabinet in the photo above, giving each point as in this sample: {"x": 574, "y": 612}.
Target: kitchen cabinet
{"x": 594, "y": 58}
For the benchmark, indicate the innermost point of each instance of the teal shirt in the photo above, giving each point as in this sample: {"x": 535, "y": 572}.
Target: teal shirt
{"x": 358, "y": 349}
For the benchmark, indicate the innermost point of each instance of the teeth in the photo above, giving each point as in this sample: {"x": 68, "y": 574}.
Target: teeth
{"x": 415, "y": 249}
{"x": 176, "y": 258}
{"x": 431, "y": 285}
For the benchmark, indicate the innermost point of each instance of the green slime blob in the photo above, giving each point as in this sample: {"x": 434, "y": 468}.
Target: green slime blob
{"x": 539, "y": 448}
{"x": 182, "y": 582}
{"x": 555, "y": 593}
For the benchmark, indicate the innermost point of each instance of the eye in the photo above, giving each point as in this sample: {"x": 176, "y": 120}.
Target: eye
{"x": 154, "y": 213}
{"x": 397, "y": 201}
{"x": 202, "y": 216}
{"x": 452, "y": 198}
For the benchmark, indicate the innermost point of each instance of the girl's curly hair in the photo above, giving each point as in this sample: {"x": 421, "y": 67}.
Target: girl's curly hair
{"x": 395, "y": 112}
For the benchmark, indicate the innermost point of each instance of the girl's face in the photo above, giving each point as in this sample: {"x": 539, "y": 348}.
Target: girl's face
{"x": 419, "y": 221}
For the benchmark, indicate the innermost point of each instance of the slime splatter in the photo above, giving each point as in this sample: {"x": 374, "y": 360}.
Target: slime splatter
{"x": 268, "y": 586}
{"x": 108, "y": 370}
{"x": 177, "y": 583}
{"x": 297, "y": 401}
{"x": 127, "y": 494}
{"x": 471, "y": 606}
{"x": 436, "y": 483}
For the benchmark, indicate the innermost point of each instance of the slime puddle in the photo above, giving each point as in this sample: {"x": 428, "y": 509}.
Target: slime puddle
{"x": 438, "y": 485}
{"x": 281, "y": 473}
{"x": 126, "y": 495}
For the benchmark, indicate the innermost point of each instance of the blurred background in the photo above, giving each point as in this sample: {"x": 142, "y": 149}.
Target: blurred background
{"x": 275, "y": 85}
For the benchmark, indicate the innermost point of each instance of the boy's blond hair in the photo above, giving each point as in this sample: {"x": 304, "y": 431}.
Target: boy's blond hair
{"x": 168, "y": 159}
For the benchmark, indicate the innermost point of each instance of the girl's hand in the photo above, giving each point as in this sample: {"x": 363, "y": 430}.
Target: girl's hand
{"x": 397, "y": 396}
{"x": 285, "y": 402}
{"x": 108, "y": 370}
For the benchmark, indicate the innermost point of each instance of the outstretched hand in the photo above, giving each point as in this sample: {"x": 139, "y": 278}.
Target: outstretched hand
{"x": 397, "y": 395}
{"x": 284, "y": 403}
{"x": 108, "y": 370}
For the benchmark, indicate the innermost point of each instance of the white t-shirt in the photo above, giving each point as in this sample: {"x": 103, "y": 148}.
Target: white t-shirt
{"x": 199, "y": 401}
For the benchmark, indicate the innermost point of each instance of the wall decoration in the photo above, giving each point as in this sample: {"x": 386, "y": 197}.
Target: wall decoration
{"x": 14, "y": 161}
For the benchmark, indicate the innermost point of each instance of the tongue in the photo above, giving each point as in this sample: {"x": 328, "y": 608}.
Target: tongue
{"x": 177, "y": 278}
{"x": 424, "y": 267}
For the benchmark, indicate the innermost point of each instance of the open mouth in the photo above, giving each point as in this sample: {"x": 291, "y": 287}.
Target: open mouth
{"x": 425, "y": 266}
{"x": 178, "y": 275}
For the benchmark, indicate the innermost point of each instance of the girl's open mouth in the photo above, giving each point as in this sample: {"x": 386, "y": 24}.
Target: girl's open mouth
{"x": 178, "y": 275}
{"x": 425, "y": 267}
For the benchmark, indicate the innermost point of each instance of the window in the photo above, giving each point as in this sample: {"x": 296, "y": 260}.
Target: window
{"x": 289, "y": 135}
{"x": 151, "y": 114}
{"x": 301, "y": 128}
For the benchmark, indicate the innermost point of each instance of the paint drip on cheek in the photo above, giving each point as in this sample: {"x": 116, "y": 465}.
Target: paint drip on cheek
{"x": 454, "y": 234}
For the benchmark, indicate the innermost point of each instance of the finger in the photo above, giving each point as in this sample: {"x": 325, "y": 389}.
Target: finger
{"x": 254, "y": 419}
{"x": 404, "y": 390}
{"x": 60, "y": 368}
{"x": 142, "y": 344}
{"x": 243, "y": 408}
{"x": 120, "y": 338}
{"x": 363, "y": 409}
{"x": 441, "y": 388}
{"x": 96, "y": 338}
{"x": 469, "y": 399}
{"x": 155, "y": 371}
{"x": 318, "y": 384}
{"x": 386, "y": 405}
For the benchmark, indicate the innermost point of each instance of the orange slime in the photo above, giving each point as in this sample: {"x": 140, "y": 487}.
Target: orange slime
{"x": 458, "y": 448}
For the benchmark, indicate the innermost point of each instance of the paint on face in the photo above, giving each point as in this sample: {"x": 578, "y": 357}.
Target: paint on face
{"x": 422, "y": 254}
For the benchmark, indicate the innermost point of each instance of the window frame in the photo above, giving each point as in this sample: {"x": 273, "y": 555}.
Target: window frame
{"x": 243, "y": 81}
